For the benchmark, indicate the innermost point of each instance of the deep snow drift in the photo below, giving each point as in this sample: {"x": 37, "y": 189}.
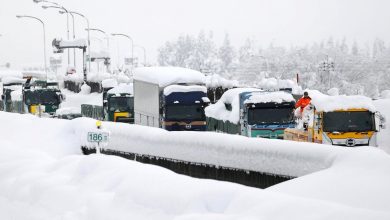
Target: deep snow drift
{"x": 44, "y": 176}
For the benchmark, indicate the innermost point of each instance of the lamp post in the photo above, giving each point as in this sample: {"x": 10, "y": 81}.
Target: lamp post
{"x": 101, "y": 31}
{"x": 132, "y": 47}
{"x": 89, "y": 42}
{"x": 44, "y": 37}
{"x": 67, "y": 26}
{"x": 143, "y": 48}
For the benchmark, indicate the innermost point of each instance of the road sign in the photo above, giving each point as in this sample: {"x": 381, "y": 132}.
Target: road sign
{"x": 98, "y": 137}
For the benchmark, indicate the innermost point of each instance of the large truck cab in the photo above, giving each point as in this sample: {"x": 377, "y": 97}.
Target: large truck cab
{"x": 184, "y": 110}
{"x": 119, "y": 104}
{"x": 172, "y": 98}
{"x": 266, "y": 119}
{"x": 351, "y": 122}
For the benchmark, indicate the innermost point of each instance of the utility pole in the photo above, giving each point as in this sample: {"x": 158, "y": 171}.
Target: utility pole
{"x": 326, "y": 67}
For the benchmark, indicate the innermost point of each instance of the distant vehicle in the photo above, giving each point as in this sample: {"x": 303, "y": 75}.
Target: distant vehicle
{"x": 117, "y": 106}
{"x": 349, "y": 121}
{"x": 171, "y": 98}
{"x": 252, "y": 113}
{"x": 35, "y": 97}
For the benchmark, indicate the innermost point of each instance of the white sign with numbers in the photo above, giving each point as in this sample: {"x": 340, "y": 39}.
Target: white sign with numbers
{"x": 98, "y": 137}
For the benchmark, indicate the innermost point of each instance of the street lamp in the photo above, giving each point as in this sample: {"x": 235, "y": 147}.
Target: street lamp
{"x": 101, "y": 31}
{"x": 132, "y": 47}
{"x": 67, "y": 27}
{"x": 44, "y": 37}
{"x": 89, "y": 42}
{"x": 143, "y": 48}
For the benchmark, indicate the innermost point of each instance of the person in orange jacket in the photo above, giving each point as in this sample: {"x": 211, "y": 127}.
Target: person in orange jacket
{"x": 303, "y": 102}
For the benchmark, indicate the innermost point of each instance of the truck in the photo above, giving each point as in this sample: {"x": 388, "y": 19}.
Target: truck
{"x": 172, "y": 98}
{"x": 117, "y": 106}
{"x": 32, "y": 96}
{"x": 252, "y": 112}
{"x": 340, "y": 120}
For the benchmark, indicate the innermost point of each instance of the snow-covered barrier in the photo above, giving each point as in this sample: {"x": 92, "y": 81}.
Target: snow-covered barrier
{"x": 266, "y": 162}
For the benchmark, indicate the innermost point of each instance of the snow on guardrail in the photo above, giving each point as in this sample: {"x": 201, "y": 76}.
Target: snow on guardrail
{"x": 277, "y": 157}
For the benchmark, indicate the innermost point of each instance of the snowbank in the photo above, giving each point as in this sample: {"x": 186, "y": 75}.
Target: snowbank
{"x": 264, "y": 97}
{"x": 219, "y": 111}
{"x": 177, "y": 88}
{"x": 97, "y": 77}
{"x": 122, "y": 88}
{"x": 43, "y": 176}
{"x": 85, "y": 89}
{"x": 11, "y": 73}
{"x": 327, "y": 103}
{"x": 385, "y": 94}
{"x": 75, "y": 77}
{"x": 164, "y": 76}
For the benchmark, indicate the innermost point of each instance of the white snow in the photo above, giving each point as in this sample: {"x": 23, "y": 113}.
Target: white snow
{"x": 122, "y": 88}
{"x": 85, "y": 89}
{"x": 327, "y": 103}
{"x": 216, "y": 80}
{"x": 97, "y": 76}
{"x": 75, "y": 77}
{"x": 12, "y": 79}
{"x": 74, "y": 100}
{"x": 10, "y": 73}
{"x": 178, "y": 88}
{"x": 385, "y": 94}
{"x": 219, "y": 111}
{"x": 383, "y": 106}
{"x": 73, "y": 43}
{"x": 109, "y": 83}
{"x": 17, "y": 95}
{"x": 264, "y": 97}
{"x": 274, "y": 84}
{"x": 333, "y": 92}
{"x": 43, "y": 176}
{"x": 164, "y": 76}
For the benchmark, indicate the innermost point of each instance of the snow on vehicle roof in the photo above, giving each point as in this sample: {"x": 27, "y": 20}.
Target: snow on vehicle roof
{"x": 263, "y": 97}
{"x": 179, "y": 88}
{"x": 328, "y": 103}
{"x": 11, "y": 73}
{"x": 219, "y": 111}
{"x": 276, "y": 84}
{"x": 97, "y": 76}
{"x": 35, "y": 73}
{"x": 216, "y": 80}
{"x": 109, "y": 83}
{"x": 122, "y": 88}
{"x": 164, "y": 76}
{"x": 12, "y": 79}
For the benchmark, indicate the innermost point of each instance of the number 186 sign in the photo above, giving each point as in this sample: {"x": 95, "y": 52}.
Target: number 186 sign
{"x": 98, "y": 137}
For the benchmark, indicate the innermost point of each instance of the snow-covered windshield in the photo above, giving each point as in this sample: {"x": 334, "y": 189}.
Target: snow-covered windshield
{"x": 121, "y": 103}
{"x": 349, "y": 121}
{"x": 270, "y": 116}
{"x": 184, "y": 112}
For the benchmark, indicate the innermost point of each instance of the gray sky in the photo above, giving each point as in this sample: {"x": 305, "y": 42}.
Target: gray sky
{"x": 152, "y": 22}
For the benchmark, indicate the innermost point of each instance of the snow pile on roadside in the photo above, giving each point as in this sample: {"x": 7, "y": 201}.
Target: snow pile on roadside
{"x": 178, "y": 88}
{"x": 219, "y": 111}
{"x": 264, "y": 97}
{"x": 75, "y": 77}
{"x": 216, "y": 80}
{"x": 43, "y": 176}
{"x": 327, "y": 103}
{"x": 164, "y": 76}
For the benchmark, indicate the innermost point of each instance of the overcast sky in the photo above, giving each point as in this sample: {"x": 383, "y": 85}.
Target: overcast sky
{"x": 153, "y": 22}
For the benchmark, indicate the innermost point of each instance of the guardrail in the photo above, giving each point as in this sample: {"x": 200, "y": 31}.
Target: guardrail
{"x": 249, "y": 161}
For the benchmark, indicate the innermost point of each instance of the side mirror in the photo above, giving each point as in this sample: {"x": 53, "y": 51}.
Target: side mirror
{"x": 380, "y": 121}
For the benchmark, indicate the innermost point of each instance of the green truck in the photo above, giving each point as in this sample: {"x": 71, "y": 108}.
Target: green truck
{"x": 253, "y": 113}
